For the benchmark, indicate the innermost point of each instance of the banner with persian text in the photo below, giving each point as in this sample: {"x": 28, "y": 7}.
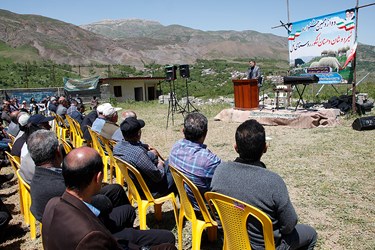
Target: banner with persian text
{"x": 324, "y": 46}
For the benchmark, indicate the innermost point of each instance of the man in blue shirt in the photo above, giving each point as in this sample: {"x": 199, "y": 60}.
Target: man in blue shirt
{"x": 192, "y": 157}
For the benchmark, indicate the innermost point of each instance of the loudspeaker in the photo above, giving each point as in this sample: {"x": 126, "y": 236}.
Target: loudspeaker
{"x": 184, "y": 71}
{"x": 364, "y": 123}
{"x": 170, "y": 72}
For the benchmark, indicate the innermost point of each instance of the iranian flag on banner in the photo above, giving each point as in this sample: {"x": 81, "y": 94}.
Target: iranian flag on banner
{"x": 349, "y": 26}
{"x": 341, "y": 25}
{"x": 351, "y": 55}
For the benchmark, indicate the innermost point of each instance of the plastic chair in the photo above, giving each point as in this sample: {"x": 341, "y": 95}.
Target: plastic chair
{"x": 26, "y": 202}
{"x": 233, "y": 215}
{"x": 16, "y": 165}
{"x": 12, "y": 138}
{"x": 72, "y": 131}
{"x": 134, "y": 194}
{"x": 14, "y": 161}
{"x": 187, "y": 211}
{"x": 61, "y": 128}
{"x": 66, "y": 145}
{"x": 79, "y": 136}
{"x": 109, "y": 144}
{"x": 96, "y": 144}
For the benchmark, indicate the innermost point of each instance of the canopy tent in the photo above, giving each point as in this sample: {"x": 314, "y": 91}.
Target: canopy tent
{"x": 84, "y": 84}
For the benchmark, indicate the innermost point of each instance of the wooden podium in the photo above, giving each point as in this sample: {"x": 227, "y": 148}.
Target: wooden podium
{"x": 246, "y": 95}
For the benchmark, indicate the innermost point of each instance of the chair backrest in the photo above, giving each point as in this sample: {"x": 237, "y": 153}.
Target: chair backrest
{"x": 108, "y": 145}
{"x": 13, "y": 161}
{"x": 95, "y": 141}
{"x": 78, "y": 127}
{"x": 12, "y": 138}
{"x": 233, "y": 215}
{"x": 127, "y": 169}
{"x": 181, "y": 180}
{"x": 72, "y": 130}
{"x": 66, "y": 145}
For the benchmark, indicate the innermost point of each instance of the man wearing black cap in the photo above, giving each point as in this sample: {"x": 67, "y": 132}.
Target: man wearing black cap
{"x": 157, "y": 176}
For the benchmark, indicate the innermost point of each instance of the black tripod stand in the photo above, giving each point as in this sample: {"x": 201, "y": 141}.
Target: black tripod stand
{"x": 173, "y": 105}
{"x": 188, "y": 103}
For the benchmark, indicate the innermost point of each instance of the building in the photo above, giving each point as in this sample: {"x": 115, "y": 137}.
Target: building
{"x": 131, "y": 88}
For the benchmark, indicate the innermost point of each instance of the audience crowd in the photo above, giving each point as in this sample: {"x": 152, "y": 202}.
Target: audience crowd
{"x": 69, "y": 192}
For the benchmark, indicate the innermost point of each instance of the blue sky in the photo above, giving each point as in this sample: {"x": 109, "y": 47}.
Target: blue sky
{"x": 205, "y": 15}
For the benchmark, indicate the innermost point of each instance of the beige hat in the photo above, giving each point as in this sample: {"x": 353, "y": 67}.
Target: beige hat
{"x": 23, "y": 119}
{"x": 109, "y": 110}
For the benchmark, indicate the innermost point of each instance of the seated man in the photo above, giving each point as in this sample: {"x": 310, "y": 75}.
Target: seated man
{"x": 192, "y": 157}
{"x": 35, "y": 122}
{"x": 78, "y": 114}
{"x": 48, "y": 182}
{"x": 117, "y": 135}
{"x": 248, "y": 180}
{"x": 105, "y": 124}
{"x": 13, "y": 127}
{"x": 76, "y": 216}
{"x": 157, "y": 176}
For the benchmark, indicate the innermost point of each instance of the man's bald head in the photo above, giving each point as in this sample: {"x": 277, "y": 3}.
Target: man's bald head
{"x": 128, "y": 113}
{"x": 14, "y": 116}
{"x": 80, "y": 166}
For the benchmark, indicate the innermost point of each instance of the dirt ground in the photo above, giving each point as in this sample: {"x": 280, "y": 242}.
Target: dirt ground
{"x": 329, "y": 173}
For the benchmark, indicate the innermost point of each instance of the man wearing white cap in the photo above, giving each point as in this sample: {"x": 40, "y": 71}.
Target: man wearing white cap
{"x": 105, "y": 124}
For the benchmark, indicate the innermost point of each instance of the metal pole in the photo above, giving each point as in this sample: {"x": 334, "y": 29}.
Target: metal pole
{"x": 354, "y": 108}
{"x": 287, "y": 6}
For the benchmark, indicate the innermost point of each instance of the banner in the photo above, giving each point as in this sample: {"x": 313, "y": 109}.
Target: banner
{"x": 80, "y": 84}
{"x": 324, "y": 46}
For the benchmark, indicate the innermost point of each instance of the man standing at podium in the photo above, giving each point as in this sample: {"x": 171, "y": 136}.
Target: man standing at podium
{"x": 253, "y": 71}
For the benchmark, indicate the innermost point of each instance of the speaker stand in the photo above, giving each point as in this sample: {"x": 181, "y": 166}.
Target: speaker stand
{"x": 188, "y": 104}
{"x": 173, "y": 105}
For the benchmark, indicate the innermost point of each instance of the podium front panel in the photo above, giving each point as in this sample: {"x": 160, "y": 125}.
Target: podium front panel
{"x": 246, "y": 95}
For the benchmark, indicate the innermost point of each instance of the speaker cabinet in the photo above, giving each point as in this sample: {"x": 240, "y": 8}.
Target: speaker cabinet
{"x": 170, "y": 72}
{"x": 184, "y": 71}
{"x": 364, "y": 123}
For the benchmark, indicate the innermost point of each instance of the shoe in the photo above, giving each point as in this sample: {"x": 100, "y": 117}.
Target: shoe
{"x": 4, "y": 163}
{"x": 6, "y": 177}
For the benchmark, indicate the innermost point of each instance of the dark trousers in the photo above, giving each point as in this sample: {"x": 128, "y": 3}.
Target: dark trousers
{"x": 302, "y": 237}
{"x": 5, "y": 217}
{"x": 118, "y": 213}
{"x": 120, "y": 222}
{"x": 116, "y": 194}
{"x": 153, "y": 238}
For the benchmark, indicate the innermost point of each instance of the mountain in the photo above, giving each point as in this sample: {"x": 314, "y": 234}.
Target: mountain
{"x": 131, "y": 42}
{"x": 136, "y": 42}
{"x": 172, "y": 43}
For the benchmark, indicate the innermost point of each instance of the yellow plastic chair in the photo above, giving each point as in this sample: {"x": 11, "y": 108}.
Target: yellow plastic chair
{"x": 12, "y": 138}
{"x": 16, "y": 165}
{"x": 66, "y": 145}
{"x": 72, "y": 131}
{"x": 187, "y": 211}
{"x": 79, "y": 136}
{"x": 134, "y": 194}
{"x": 26, "y": 202}
{"x": 233, "y": 215}
{"x": 61, "y": 128}
{"x": 96, "y": 144}
{"x": 109, "y": 144}
{"x": 14, "y": 161}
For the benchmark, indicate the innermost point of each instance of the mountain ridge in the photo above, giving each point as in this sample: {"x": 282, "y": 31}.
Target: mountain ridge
{"x": 140, "y": 41}
{"x": 133, "y": 42}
